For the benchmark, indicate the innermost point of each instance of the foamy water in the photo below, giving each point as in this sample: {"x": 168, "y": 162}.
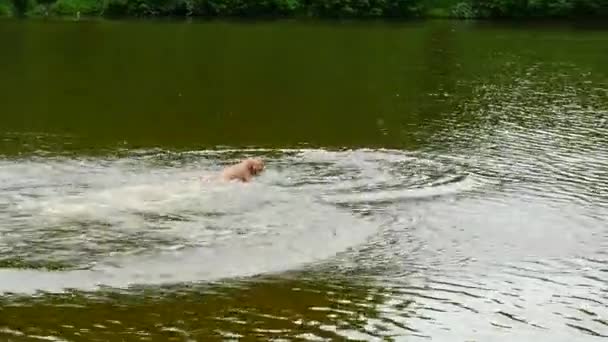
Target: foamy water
{"x": 163, "y": 217}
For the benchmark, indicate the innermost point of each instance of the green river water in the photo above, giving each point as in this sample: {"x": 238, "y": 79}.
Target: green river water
{"x": 425, "y": 180}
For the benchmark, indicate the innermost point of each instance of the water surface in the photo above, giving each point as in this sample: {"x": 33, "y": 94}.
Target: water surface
{"x": 436, "y": 180}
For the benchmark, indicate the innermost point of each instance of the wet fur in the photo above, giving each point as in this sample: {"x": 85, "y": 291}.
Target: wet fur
{"x": 243, "y": 171}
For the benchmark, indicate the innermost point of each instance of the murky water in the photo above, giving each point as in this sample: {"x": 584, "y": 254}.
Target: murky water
{"x": 443, "y": 181}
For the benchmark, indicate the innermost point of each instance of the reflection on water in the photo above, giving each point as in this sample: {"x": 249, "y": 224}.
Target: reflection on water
{"x": 493, "y": 228}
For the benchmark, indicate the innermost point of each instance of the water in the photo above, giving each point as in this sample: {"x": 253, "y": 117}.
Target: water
{"x": 437, "y": 180}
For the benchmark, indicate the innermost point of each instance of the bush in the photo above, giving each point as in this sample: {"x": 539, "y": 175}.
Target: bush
{"x": 365, "y": 8}
{"x": 6, "y": 8}
{"x": 203, "y": 7}
{"x": 21, "y": 6}
{"x": 71, "y": 7}
{"x": 320, "y": 8}
{"x": 563, "y": 8}
{"x": 248, "y": 7}
{"x": 463, "y": 10}
{"x": 116, "y": 8}
{"x": 324, "y": 8}
{"x": 539, "y": 8}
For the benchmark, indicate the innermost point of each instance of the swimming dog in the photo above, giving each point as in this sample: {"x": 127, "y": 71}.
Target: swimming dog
{"x": 243, "y": 171}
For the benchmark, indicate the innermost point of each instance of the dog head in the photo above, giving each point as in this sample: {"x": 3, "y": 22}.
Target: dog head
{"x": 255, "y": 165}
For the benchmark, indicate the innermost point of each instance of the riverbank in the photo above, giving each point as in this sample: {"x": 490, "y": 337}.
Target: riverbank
{"x": 456, "y": 9}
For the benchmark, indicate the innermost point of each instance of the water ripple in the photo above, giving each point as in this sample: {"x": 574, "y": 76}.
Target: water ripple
{"x": 499, "y": 233}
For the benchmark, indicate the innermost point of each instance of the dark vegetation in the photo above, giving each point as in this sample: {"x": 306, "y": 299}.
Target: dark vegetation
{"x": 313, "y": 8}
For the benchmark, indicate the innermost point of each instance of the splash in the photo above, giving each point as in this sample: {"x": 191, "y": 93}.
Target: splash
{"x": 160, "y": 217}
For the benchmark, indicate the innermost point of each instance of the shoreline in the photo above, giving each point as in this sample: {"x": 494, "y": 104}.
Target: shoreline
{"x": 595, "y": 22}
{"x": 318, "y": 10}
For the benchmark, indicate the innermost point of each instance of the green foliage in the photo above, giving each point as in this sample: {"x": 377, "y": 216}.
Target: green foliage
{"x": 538, "y": 8}
{"x": 71, "y": 7}
{"x": 258, "y": 8}
{"x": 6, "y": 8}
{"x": 365, "y": 8}
{"x": 562, "y": 8}
{"x": 21, "y": 7}
{"x": 320, "y": 8}
{"x": 203, "y": 7}
{"x": 245, "y": 7}
{"x": 463, "y": 10}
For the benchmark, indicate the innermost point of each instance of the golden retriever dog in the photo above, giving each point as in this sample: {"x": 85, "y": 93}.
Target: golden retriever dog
{"x": 243, "y": 171}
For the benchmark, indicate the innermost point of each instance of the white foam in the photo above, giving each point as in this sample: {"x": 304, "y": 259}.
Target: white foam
{"x": 144, "y": 220}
